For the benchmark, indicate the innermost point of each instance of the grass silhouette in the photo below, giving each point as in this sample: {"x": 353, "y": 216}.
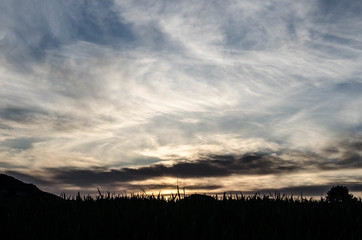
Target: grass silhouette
{"x": 142, "y": 216}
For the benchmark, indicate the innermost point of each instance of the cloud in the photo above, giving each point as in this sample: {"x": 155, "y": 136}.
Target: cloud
{"x": 219, "y": 166}
{"x": 335, "y": 11}
{"x": 5, "y": 127}
{"x": 18, "y": 114}
{"x": 19, "y": 143}
{"x": 31, "y": 28}
{"x": 173, "y": 187}
{"x": 211, "y": 166}
{"x": 122, "y": 85}
{"x": 345, "y": 153}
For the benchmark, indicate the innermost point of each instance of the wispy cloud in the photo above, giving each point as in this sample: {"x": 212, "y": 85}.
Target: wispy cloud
{"x": 127, "y": 84}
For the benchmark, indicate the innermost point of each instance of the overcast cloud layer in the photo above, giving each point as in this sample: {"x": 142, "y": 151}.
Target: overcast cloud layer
{"x": 217, "y": 95}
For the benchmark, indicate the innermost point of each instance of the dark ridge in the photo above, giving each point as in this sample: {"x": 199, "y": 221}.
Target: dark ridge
{"x": 12, "y": 187}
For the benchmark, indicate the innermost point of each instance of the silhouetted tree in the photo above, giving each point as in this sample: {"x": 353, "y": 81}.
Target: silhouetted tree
{"x": 339, "y": 194}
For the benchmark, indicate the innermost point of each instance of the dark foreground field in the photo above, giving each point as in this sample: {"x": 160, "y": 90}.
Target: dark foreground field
{"x": 152, "y": 217}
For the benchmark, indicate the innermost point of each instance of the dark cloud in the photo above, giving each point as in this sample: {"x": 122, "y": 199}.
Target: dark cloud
{"x": 331, "y": 150}
{"x": 347, "y": 162}
{"x": 352, "y": 145}
{"x": 211, "y": 166}
{"x": 19, "y": 114}
{"x": 160, "y": 187}
{"x": 34, "y": 116}
{"x": 350, "y": 151}
{"x": 6, "y": 165}
{"x": 351, "y": 160}
{"x": 219, "y": 166}
{"x": 20, "y": 143}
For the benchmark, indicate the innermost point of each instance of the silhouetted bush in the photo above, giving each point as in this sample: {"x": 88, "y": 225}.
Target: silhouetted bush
{"x": 339, "y": 194}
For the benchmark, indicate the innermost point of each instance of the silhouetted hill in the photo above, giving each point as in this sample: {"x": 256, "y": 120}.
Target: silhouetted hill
{"x": 12, "y": 187}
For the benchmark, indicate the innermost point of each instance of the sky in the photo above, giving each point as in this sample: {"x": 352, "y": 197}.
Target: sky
{"x": 212, "y": 96}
